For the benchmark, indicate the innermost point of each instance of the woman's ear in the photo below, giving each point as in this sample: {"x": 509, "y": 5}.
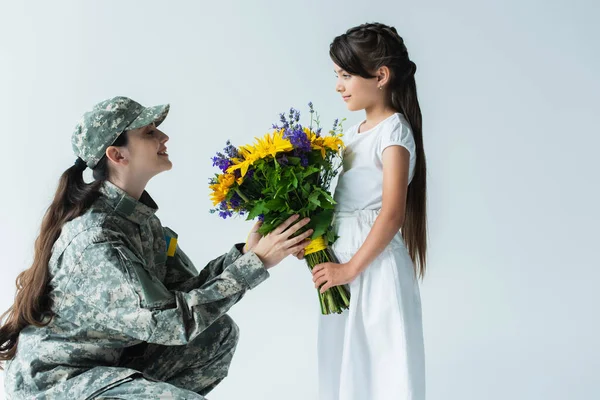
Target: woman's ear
{"x": 117, "y": 155}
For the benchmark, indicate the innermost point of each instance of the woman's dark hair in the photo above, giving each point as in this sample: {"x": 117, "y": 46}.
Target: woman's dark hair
{"x": 361, "y": 51}
{"x": 32, "y": 305}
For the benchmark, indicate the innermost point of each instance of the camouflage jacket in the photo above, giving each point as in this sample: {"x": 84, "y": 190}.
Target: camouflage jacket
{"x": 118, "y": 278}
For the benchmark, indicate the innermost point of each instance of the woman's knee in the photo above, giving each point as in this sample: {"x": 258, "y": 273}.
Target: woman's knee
{"x": 230, "y": 329}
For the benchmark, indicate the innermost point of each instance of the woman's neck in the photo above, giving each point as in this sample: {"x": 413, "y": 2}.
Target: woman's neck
{"x": 132, "y": 187}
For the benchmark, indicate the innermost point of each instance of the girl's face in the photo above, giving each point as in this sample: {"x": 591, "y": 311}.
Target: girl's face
{"x": 146, "y": 151}
{"x": 358, "y": 93}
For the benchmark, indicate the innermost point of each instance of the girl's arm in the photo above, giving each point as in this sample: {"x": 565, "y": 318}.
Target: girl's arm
{"x": 391, "y": 217}
{"x": 389, "y": 221}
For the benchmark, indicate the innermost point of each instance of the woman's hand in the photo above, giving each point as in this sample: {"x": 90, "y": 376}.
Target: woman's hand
{"x": 278, "y": 244}
{"x": 328, "y": 275}
{"x": 253, "y": 237}
{"x": 299, "y": 255}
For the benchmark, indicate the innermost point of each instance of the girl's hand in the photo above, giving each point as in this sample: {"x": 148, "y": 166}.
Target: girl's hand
{"x": 280, "y": 243}
{"x": 328, "y": 275}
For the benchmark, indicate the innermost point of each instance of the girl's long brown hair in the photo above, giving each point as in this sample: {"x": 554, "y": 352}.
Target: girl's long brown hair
{"x": 361, "y": 51}
{"x": 32, "y": 304}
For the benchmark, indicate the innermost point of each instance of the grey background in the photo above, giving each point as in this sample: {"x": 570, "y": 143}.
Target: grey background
{"x": 509, "y": 93}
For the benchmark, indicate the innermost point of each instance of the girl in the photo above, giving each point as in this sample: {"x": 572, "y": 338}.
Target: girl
{"x": 112, "y": 307}
{"x": 375, "y": 350}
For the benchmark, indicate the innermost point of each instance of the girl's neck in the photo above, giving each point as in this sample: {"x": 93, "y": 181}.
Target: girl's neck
{"x": 375, "y": 115}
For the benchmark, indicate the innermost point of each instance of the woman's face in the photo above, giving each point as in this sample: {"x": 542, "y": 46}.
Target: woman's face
{"x": 146, "y": 151}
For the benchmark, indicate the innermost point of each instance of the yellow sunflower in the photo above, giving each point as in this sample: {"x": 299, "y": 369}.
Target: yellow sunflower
{"x": 221, "y": 188}
{"x": 324, "y": 142}
{"x": 268, "y": 145}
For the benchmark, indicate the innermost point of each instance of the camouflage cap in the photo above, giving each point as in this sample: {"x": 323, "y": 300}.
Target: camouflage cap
{"x": 100, "y": 127}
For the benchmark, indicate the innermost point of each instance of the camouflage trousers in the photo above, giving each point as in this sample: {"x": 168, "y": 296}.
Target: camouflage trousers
{"x": 179, "y": 372}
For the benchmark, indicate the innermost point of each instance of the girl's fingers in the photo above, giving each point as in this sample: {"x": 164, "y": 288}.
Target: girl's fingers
{"x": 325, "y": 287}
{"x": 318, "y": 276}
{"x": 317, "y": 268}
{"x": 322, "y": 280}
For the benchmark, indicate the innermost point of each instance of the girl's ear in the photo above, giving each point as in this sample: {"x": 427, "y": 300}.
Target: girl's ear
{"x": 383, "y": 76}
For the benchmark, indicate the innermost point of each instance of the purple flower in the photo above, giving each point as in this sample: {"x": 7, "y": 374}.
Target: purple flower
{"x": 224, "y": 211}
{"x": 282, "y": 160}
{"x": 284, "y": 123}
{"x": 304, "y": 160}
{"x": 261, "y": 217}
{"x": 231, "y": 150}
{"x": 225, "y": 214}
{"x": 298, "y": 139}
{"x": 221, "y": 161}
{"x": 235, "y": 201}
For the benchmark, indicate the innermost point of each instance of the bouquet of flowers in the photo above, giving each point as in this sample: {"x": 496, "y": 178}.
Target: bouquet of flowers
{"x": 286, "y": 172}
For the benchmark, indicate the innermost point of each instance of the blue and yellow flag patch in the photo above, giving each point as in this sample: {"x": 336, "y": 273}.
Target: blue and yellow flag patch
{"x": 171, "y": 245}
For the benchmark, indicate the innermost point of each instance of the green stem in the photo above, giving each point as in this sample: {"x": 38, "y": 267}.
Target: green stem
{"x": 239, "y": 192}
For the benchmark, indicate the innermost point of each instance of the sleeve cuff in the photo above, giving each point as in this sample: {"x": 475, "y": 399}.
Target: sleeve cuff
{"x": 249, "y": 269}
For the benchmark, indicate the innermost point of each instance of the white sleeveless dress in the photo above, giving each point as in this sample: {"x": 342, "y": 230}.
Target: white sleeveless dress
{"x": 374, "y": 350}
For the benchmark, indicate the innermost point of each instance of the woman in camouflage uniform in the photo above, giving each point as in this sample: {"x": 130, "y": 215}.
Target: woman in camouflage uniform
{"x": 111, "y": 307}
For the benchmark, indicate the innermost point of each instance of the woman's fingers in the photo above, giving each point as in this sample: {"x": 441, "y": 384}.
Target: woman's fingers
{"x": 299, "y": 248}
{"x": 285, "y": 224}
{"x": 297, "y": 239}
{"x": 294, "y": 228}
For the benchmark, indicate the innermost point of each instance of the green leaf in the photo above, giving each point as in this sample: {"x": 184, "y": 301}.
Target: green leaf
{"x": 327, "y": 196}
{"x": 275, "y": 204}
{"x": 320, "y": 222}
{"x": 314, "y": 198}
{"x": 331, "y": 236}
{"x": 293, "y": 160}
{"x": 259, "y": 208}
{"x": 266, "y": 228}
